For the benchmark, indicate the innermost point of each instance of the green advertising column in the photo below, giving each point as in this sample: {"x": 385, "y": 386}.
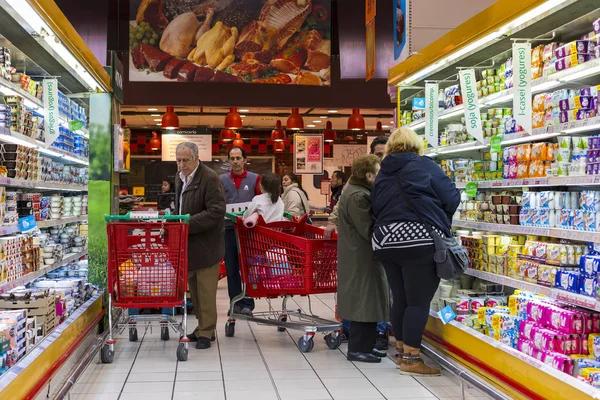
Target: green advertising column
{"x": 99, "y": 188}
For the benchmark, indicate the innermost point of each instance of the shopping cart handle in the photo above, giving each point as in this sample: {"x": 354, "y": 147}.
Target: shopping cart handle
{"x": 146, "y": 215}
{"x": 233, "y": 216}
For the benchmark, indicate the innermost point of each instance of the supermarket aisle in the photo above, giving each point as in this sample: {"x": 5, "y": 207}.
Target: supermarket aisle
{"x": 258, "y": 363}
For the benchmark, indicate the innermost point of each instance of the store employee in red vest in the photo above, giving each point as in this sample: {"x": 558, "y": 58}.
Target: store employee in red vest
{"x": 240, "y": 187}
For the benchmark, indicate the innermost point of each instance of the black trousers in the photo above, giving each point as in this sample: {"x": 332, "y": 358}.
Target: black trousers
{"x": 412, "y": 276}
{"x": 362, "y": 337}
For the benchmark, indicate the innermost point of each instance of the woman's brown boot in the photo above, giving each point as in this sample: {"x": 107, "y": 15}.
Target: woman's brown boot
{"x": 399, "y": 351}
{"x": 412, "y": 364}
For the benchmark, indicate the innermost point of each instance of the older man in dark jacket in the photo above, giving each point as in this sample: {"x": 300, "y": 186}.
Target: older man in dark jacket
{"x": 199, "y": 192}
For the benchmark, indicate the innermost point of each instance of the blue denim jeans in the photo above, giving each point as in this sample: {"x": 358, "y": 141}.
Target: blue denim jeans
{"x": 381, "y": 326}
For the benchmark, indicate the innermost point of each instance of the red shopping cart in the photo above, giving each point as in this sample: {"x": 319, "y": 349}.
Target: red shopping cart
{"x": 147, "y": 268}
{"x": 283, "y": 259}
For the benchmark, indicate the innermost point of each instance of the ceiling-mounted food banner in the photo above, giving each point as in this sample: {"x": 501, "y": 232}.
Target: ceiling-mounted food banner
{"x": 401, "y": 31}
{"x": 231, "y": 41}
{"x": 352, "y": 32}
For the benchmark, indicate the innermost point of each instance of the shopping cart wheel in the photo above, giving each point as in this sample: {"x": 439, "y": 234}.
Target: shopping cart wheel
{"x": 333, "y": 342}
{"x": 282, "y": 318}
{"x": 133, "y": 336}
{"x": 164, "y": 333}
{"x": 230, "y": 329}
{"x": 106, "y": 354}
{"x": 306, "y": 345}
{"x": 182, "y": 352}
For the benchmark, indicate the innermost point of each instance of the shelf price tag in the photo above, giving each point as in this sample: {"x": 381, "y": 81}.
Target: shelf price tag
{"x": 471, "y": 104}
{"x": 431, "y": 114}
{"x": 521, "y": 53}
{"x": 471, "y": 189}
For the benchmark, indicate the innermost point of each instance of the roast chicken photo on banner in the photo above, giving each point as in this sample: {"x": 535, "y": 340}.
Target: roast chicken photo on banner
{"x": 239, "y": 41}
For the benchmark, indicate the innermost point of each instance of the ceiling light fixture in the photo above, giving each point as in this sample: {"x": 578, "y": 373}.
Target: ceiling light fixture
{"x": 170, "y": 121}
{"x": 310, "y": 126}
{"x": 153, "y": 109}
{"x": 332, "y": 111}
{"x": 238, "y": 142}
{"x": 295, "y": 121}
{"x": 278, "y": 134}
{"x": 356, "y": 122}
{"x": 379, "y": 126}
{"x": 329, "y": 134}
{"x": 244, "y": 110}
{"x": 226, "y": 135}
{"x": 233, "y": 119}
{"x": 154, "y": 142}
{"x": 278, "y": 147}
{"x": 317, "y": 121}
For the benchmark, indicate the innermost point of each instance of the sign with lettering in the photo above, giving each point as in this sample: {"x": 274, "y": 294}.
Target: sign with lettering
{"x": 51, "y": 122}
{"x": 471, "y": 103}
{"x": 522, "y": 85}
{"x": 170, "y": 142}
{"x": 431, "y": 113}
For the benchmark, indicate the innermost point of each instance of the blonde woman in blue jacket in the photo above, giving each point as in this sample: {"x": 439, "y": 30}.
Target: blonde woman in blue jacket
{"x": 411, "y": 195}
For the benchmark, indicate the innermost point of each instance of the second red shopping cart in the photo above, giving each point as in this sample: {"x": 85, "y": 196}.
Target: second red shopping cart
{"x": 284, "y": 259}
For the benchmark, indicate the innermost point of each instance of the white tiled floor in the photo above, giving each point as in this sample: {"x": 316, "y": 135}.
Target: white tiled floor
{"x": 258, "y": 363}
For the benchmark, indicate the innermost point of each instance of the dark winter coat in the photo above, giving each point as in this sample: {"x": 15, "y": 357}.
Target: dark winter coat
{"x": 420, "y": 180}
{"x": 363, "y": 291}
{"x": 204, "y": 200}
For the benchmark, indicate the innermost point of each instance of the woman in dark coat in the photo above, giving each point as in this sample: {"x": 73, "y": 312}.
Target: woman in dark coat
{"x": 363, "y": 292}
{"x": 410, "y": 193}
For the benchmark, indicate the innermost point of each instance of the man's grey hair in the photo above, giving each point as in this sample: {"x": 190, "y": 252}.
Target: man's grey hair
{"x": 188, "y": 145}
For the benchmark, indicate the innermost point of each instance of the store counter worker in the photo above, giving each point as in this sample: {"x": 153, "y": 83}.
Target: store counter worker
{"x": 240, "y": 187}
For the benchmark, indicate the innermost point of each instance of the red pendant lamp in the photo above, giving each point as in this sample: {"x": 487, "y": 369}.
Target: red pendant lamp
{"x": 278, "y": 133}
{"x": 379, "y": 126}
{"x": 356, "y": 122}
{"x": 238, "y": 142}
{"x": 170, "y": 120}
{"x": 226, "y": 135}
{"x": 295, "y": 121}
{"x": 233, "y": 119}
{"x": 278, "y": 147}
{"x": 154, "y": 142}
{"x": 329, "y": 134}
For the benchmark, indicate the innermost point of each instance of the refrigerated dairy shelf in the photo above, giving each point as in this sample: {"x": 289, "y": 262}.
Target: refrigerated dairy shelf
{"x": 557, "y": 294}
{"x": 33, "y": 371}
{"x": 55, "y": 222}
{"x": 5, "y": 287}
{"x": 6, "y": 135}
{"x": 14, "y": 229}
{"x": 39, "y": 185}
{"x": 583, "y": 180}
{"x": 558, "y": 80}
{"x": 513, "y": 353}
{"x": 547, "y": 132}
{"x": 568, "y": 234}
{"x": 10, "y": 89}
